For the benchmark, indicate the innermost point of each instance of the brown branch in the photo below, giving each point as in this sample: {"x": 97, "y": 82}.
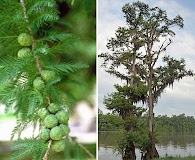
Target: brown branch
{"x": 48, "y": 148}
{"x": 38, "y": 64}
{"x": 162, "y": 48}
{"x": 48, "y": 100}
{"x": 25, "y": 15}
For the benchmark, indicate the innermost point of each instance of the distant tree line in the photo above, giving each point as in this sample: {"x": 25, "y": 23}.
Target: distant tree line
{"x": 163, "y": 123}
{"x": 176, "y": 123}
{"x": 109, "y": 122}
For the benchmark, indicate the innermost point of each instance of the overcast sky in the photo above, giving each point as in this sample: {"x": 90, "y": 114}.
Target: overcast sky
{"x": 174, "y": 101}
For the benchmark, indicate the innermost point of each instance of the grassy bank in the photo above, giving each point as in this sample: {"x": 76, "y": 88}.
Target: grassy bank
{"x": 177, "y": 158}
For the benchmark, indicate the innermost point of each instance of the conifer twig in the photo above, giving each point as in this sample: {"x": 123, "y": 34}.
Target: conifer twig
{"x": 48, "y": 100}
{"x": 25, "y": 15}
{"x": 38, "y": 64}
{"x": 48, "y": 148}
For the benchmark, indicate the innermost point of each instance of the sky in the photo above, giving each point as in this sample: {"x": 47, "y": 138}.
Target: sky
{"x": 174, "y": 101}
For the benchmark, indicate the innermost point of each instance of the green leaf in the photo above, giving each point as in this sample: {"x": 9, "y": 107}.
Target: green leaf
{"x": 58, "y": 36}
{"x": 23, "y": 123}
{"x": 35, "y": 100}
{"x": 28, "y": 147}
{"x": 57, "y": 96}
{"x": 67, "y": 67}
{"x": 38, "y": 6}
{"x": 44, "y": 19}
{"x": 67, "y": 151}
{"x": 62, "y": 46}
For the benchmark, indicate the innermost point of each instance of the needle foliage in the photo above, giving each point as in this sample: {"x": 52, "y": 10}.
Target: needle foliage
{"x": 51, "y": 40}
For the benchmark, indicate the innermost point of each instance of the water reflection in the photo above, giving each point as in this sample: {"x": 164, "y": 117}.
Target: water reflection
{"x": 168, "y": 144}
{"x": 107, "y": 154}
{"x": 176, "y": 139}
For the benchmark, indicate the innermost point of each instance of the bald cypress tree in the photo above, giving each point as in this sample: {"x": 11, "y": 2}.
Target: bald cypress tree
{"x": 134, "y": 54}
{"x": 124, "y": 52}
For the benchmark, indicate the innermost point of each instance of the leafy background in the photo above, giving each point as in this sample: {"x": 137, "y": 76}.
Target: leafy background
{"x": 80, "y": 19}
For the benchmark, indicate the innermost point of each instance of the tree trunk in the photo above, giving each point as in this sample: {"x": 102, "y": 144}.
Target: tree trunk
{"x": 151, "y": 149}
{"x": 129, "y": 152}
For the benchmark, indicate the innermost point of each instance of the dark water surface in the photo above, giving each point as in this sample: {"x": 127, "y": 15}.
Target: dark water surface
{"x": 172, "y": 144}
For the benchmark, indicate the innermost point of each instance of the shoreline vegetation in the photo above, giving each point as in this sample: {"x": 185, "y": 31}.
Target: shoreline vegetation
{"x": 180, "y": 124}
{"x": 163, "y": 123}
{"x": 176, "y": 158}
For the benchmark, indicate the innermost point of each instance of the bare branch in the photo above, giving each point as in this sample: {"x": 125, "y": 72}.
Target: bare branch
{"x": 162, "y": 48}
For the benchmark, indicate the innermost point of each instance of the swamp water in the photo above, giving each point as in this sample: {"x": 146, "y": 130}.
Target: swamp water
{"x": 172, "y": 144}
